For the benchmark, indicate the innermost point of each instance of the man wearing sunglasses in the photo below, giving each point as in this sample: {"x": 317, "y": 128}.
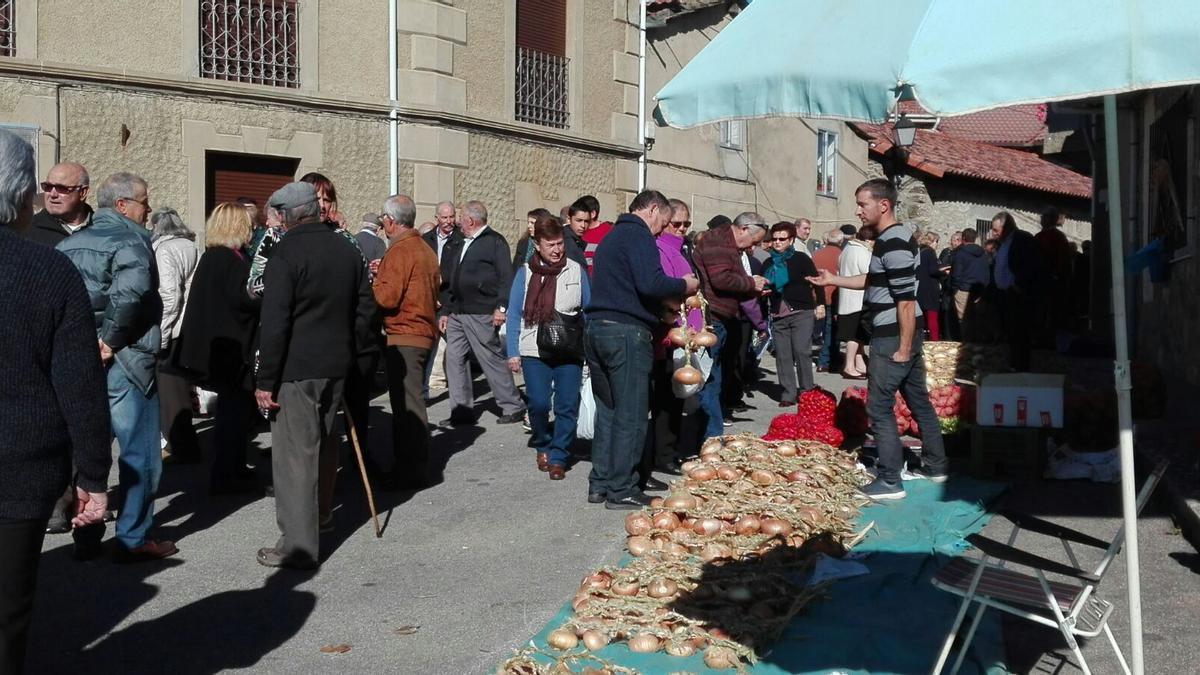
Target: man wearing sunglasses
{"x": 64, "y": 193}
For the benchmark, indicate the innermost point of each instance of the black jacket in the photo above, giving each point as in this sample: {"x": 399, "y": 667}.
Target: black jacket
{"x": 929, "y": 281}
{"x": 479, "y": 283}
{"x": 317, "y": 306}
{"x": 970, "y": 269}
{"x": 216, "y": 341}
{"x": 46, "y": 229}
{"x": 798, "y": 292}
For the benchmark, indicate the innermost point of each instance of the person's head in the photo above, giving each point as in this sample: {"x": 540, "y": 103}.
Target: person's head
{"x": 229, "y": 225}
{"x": 167, "y": 223}
{"x": 876, "y": 200}
{"x": 326, "y": 194}
{"x": 1051, "y": 217}
{"x": 17, "y": 182}
{"x": 295, "y": 204}
{"x": 989, "y": 246}
{"x": 653, "y": 208}
{"x": 593, "y": 205}
{"x": 371, "y": 222}
{"x": 399, "y": 216}
{"x": 579, "y": 217}
{"x": 427, "y": 227}
{"x": 783, "y": 234}
{"x": 66, "y": 191}
{"x": 251, "y": 205}
{"x": 969, "y": 236}
{"x": 928, "y": 239}
{"x": 126, "y": 194}
{"x": 956, "y": 240}
{"x": 548, "y": 237}
{"x": 848, "y": 231}
{"x": 473, "y": 218}
{"x": 1003, "y": 225}
{"x": 717, "y": 221}
{"x": 749, "y": 229}
{"x": 865, "y": 233}
{"x": 803, "y": 229}
{"x": 444, "y": 216}
{"x": 1086, "y": 247}
{"x": 681, "y": 218}
{"x": 834, "y": 237}
{"x": 532, "y": 217}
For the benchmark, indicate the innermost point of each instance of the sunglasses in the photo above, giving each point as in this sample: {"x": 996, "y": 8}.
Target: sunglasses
{"x": 61, "y": 189}
{"x": 681, "y": 223}
{"x": 781, "y": 238}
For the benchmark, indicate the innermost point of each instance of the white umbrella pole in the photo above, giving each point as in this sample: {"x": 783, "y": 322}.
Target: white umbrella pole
{"x": 1124, "y": 386}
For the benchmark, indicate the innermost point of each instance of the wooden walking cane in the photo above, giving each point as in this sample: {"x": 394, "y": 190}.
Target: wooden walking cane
{"x": 362, "y": 470}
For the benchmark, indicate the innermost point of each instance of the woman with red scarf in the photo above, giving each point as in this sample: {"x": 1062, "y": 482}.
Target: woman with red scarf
{"x": 547, "y": 297}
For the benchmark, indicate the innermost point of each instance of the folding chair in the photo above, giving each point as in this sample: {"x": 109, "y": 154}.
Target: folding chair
{"x": 1070, "y": 606}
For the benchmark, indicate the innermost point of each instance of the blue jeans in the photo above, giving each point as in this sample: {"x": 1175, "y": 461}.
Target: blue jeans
{"x": 826, "y": 339}
{"x": 710, "y": 395}
{"x": 884, "y": 378}
{"x": 620, "y": 357}
{"x": 557, "y": 384}
{"x": 136, "y": 426}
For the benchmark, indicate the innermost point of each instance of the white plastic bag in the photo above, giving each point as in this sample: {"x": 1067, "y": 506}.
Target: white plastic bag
{"x": 585, "y": 425}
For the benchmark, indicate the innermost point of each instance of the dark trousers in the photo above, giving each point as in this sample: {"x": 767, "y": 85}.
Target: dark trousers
{"x": 1019, "y": 312}
{"x": 175, "y": 414}
{"x": 410, "y": 422}
{"x": 885, "y": 377}
{"x": 358, "y": 395}
{"x": 733, "y": 362}
{"x": 20, "y": 551}
{"x": 666, "y": 417}
{"x": 620, "y": 357}
{"x": 232, "y": 425}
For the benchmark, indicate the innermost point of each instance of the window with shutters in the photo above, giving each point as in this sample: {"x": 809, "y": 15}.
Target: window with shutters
{"x": 8, "y": 28}
{"x": 230, "y": 177}
{"x": 542, "y": 63}
{"x": 733, "y": 134}
{"x": 254, "y": 41}
{"x": 827, "y": 154}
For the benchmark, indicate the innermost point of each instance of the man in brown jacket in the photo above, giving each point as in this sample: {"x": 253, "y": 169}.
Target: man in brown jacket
{"x": 406, "y": 290}
{"x": 726, "y": 281}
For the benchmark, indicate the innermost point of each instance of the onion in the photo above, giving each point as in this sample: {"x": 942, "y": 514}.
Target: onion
{"x": 785, "y": 449}
{"x": 598, "y": 580}
{"x": 677, "y": 550}
{"x": 702, "y": 473}
{"x": 747, "y": 525}
{"x": 644, "y": 643}
{"x": 711, "y": 446}
{"x": 680, "y": 648}
{"x": 757, "y": 457}
{"x": 662, "y": 588}
{"x": 638, "y": 523}
{"x": 798, "y": 476}
{"x": 679, "y": 503}
{"x": 809, "y": 514}
{"x": 665, "y": 520}
{"x": 796, "y": 540}
{"x": 638, "y": 545}
{"x": 718, "y": 633}
{"x": 689, "y": 376}
{"x": 728, "y": 473}
{"x": 562, "y": 639}
{"x": 594, "y": 639}
{"x": 720, "y": 658}
{"x": 678, "y": 336}
{"x": 580, "y": 601}
{"x": 775, "y": 526}
{"x": 693, "y": 302}
{"x": 761, "y": 476}
{"x": 625, "y": 586}
{"x": 705, "y": 339}
{"x": 707, "y": 527}
{"x": 656, "y": 503}
{"x": 739, "y": 443}
{"x": 714, "y": 551}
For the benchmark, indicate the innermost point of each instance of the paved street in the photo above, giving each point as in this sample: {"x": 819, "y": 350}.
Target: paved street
{"x": 465, "y": 572}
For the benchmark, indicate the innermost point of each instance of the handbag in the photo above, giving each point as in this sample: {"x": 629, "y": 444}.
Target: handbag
{"x": 562, "y": 337}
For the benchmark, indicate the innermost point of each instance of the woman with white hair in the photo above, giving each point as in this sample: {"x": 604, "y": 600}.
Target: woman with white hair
{"x": 175, "y": 255}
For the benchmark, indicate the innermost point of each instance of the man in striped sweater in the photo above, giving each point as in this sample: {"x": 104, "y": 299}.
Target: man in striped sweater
{"x": 897, "y": 364}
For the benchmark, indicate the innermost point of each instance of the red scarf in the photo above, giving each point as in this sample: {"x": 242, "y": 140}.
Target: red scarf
{"x": 542, "y": 288}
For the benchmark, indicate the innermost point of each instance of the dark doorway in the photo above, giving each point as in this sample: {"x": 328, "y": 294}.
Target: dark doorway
{"x": 228, "y": 176}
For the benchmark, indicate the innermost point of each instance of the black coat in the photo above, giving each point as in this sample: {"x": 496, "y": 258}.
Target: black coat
{"x": 46, "y": 229}
{"x": 798, "y": 292}
{"x": 217, "y": 337}
{"x": 929, "y": 281}
{"x": 317, "y": 308}
{"x": 479, "y": 283}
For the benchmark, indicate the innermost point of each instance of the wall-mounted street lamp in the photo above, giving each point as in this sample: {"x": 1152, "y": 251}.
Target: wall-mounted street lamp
{"x": 904, "y": 134}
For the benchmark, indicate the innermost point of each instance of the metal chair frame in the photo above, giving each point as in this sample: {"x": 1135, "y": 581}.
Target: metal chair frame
{"x": 1086, "y": 614}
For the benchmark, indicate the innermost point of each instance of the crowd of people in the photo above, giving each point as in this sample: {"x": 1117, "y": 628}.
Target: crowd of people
{"x": 287, "y": 315}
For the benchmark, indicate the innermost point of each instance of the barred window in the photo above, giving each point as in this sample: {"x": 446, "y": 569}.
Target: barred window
{"x": 542, "y": 65}
{"x": 8, "y": 28}
{"x": 252, "y": 41}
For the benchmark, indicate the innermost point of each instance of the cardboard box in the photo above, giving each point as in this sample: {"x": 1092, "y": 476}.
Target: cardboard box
{"x": 1021, "y": 400}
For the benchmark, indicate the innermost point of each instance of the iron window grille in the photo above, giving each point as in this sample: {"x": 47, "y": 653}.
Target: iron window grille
{"x": 827, "y": 154}
{"x": 542, "y": 88}
{"x": 8, "y": 28}
{"x": 253, "y": 41}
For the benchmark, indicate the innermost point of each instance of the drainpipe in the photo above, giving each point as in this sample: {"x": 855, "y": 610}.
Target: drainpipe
{"x": 642, "y": 94}
{"x": 393, "y": 94}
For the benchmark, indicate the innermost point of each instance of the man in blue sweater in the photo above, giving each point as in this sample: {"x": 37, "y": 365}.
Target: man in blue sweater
{"x": 628, "y": 289}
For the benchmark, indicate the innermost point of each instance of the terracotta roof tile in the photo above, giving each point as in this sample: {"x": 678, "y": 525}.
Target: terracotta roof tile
{"x": 1017, "y": 125}
{"x": 936, "y": 153}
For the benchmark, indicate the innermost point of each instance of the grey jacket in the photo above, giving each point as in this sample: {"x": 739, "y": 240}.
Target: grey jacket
{"x": 114, "y": 257}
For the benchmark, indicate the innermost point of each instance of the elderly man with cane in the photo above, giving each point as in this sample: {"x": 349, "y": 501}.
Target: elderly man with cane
{"x": 316, "y": 292}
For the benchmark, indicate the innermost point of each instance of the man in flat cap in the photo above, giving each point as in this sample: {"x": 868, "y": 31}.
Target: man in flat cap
{"x": 315, "y": 293}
